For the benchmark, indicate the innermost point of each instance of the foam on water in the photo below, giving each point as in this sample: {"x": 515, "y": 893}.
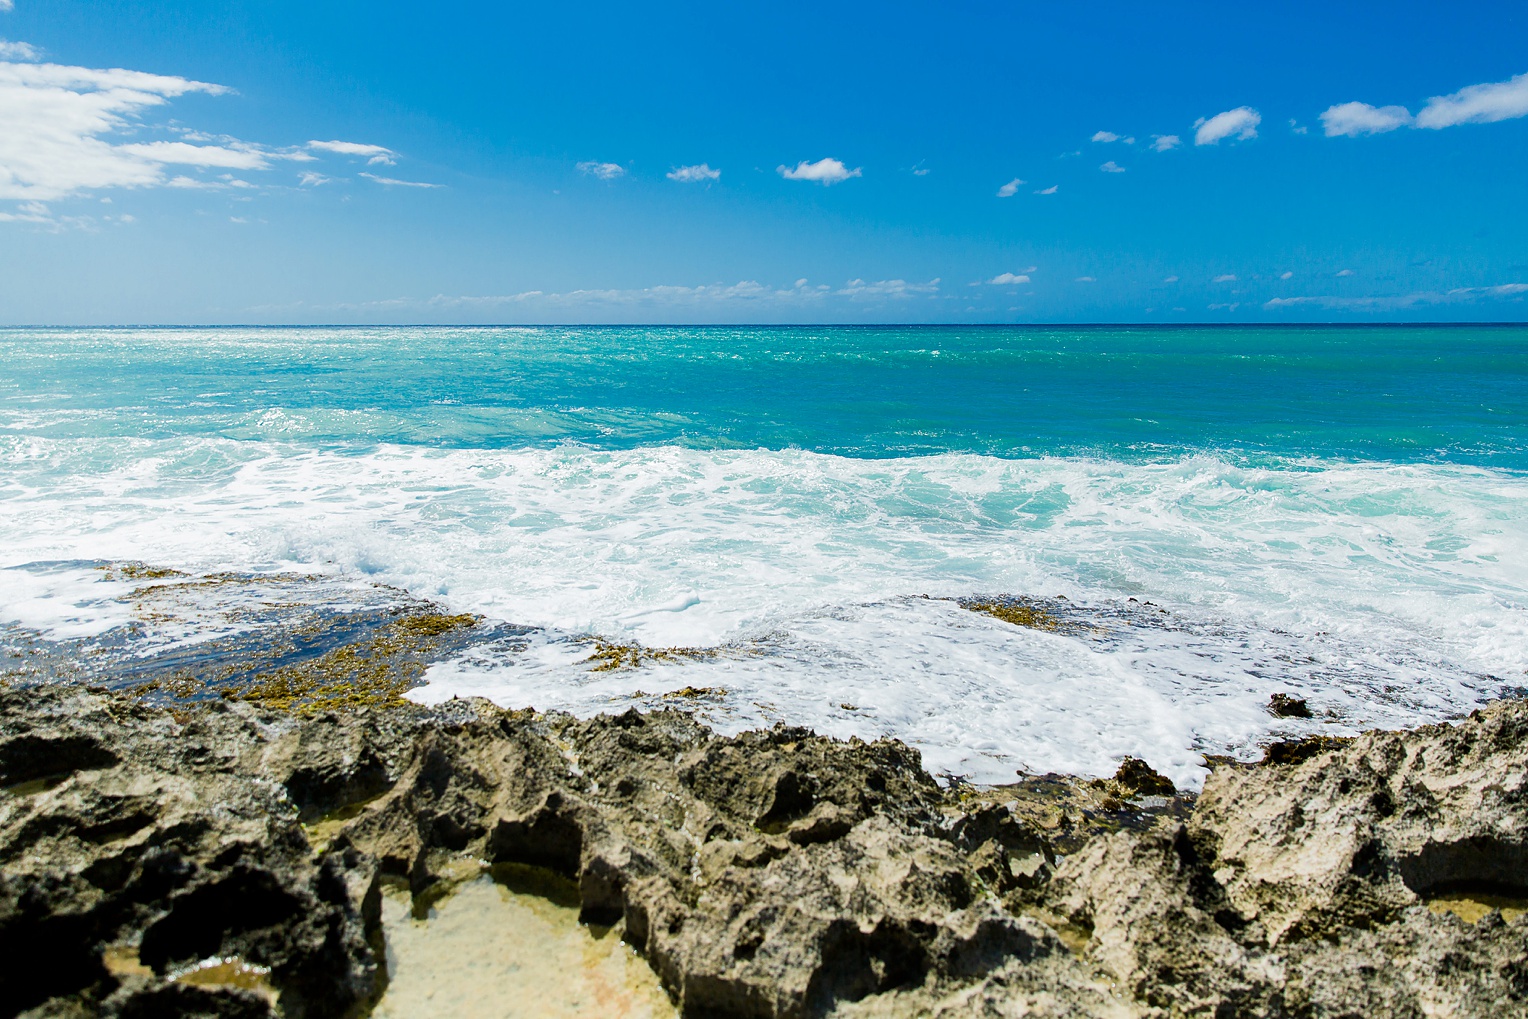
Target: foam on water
{"x": 1387, "y": 594}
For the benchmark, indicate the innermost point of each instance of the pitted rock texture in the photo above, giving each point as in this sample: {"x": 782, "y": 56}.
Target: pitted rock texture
{"x": 773, "y": 874}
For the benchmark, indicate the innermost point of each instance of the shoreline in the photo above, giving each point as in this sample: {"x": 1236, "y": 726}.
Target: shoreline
{"x": 1052, "y": 684}
{"x": 773, "y": 873}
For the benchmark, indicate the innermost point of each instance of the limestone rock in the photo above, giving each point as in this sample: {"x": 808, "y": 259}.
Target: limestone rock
{"x": 226, "y": 861}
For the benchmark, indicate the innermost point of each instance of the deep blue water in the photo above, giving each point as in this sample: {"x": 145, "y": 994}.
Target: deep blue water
{"x": 1388, "y": 393}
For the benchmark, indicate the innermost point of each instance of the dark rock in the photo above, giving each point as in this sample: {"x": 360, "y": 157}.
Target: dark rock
{"x": 1283, "y": 705}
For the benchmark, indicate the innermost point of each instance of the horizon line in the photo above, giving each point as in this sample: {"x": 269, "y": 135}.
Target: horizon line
{"x": 762, "y": 325}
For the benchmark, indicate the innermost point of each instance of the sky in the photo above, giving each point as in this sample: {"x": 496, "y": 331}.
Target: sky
{"x": 222, "y": 161}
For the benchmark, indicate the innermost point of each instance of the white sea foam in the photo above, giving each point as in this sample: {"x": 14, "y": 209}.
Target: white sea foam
{"x": 1386, "y": 594}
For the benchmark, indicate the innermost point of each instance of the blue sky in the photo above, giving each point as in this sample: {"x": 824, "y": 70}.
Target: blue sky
{"x": 959, "y": 162}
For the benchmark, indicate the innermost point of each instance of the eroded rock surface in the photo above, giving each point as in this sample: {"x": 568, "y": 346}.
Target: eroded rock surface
{"x": 228, "y": 861}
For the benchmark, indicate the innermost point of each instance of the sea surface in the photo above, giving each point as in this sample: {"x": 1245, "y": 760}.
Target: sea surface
{"x": 1216, "y": 515}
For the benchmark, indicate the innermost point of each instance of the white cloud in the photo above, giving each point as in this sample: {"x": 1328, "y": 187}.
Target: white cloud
{"x": 1353, "y": 119}
{"x": 373, "y": 154}
{"x": 1105, "y": 136}
{"x": 1477, "y": 104}
{"x": 1009, "y": 279}
{"x": 309, "y": 179}
{"x": 70, "y": 130}
{"x": 693, "y": 174}
{"x": 1298, "y": 128}
{"x": 394, "y": 182}
{"x": 1228, "y": 277}
{"x": 1240, "y": 124}
{"x": 824, "y": 171}
{"x": 18, "y": 51}
{"x": 198, "y": 155}
{"x": 1085, "y": 279}
{"x": 1286, "y": 274}
{"x": 1050, "y": 190}
{"x": 920, "y": 171}
{"x": 1010, "y": 189}
{"x": 1170, "y": 279}
{"x": 1165, "y": 142}
{"x": 1345, "y": 272}
{"x": 604, "y": 171}
{"x": 7, "y": 5}
{"x": 58, "y": 121}
{"x": 1112, "y": 167}
{"x": 895, "y": 289}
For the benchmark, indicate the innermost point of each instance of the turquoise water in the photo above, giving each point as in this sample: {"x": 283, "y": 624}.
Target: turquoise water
{"x": 1335, "y": 513}
{"x": 1394, "y": 393}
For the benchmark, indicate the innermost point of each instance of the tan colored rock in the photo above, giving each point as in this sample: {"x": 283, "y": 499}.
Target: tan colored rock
{"x": 772, "y": 874}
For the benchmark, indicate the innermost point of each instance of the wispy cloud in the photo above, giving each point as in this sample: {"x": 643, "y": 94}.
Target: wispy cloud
{"x": 1009, "y": 278}
{"x": 858, "y": 289}
{"x": 1286, "y": 274}
{"x": 1050, "y": 190}
{"x": 701, "y": 299}
{"x": 395, "y": 182}
{"x": 73, "y": 130}
{"x": 18, "y": 50}
{"x": 824, "y": 171}
{"x": 59, "y": 122}
{"x": 1353, "y": 119}
{"x": 7, "y": 5}
{"x": 604, "y": 171}
{"x": 1394, "y": 302}
{"x": 693, "y": 174}
{"x": 40, "y": 215}
{"x": 1239, "y": 124}
{"x": 1344, "y": 272}
{"x": 1165, "y": 142}
{"x": 1478, "y": 104}
{"x": 1112, "y": 167}
{"x": 375, "y": 155}
{"x": 1085, "y": 279}
{"x": 198, "y": 155}
{"x": 1170, "y": 279}
{"x": 28, "y": 212}
{"x": 1010, "y": 189}
{"x": 1228, "y": 277}
{"x": 309, "y": 179}
{"x": 1104, "y": 136}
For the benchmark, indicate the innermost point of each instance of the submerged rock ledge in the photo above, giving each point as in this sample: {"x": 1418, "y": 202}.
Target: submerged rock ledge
{"x": 226, "y": 860}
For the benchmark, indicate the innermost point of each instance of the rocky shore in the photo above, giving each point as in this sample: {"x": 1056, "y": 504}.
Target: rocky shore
{"x": 226, "y": 859}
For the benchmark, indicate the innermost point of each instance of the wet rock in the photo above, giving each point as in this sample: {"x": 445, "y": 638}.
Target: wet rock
{"x": 1283, "y": 705}
{"x": 228, "y": 861}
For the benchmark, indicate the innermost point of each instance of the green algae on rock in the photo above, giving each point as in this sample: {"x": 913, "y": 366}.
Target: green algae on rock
{"x": 374, "y": 674}
{"x": 1031, "y": 613}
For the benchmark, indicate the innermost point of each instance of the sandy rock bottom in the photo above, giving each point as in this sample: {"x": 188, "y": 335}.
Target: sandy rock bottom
{"x": 495, "y": 947}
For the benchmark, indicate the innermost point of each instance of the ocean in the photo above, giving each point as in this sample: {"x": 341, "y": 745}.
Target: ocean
{"x": 1208, "y": 515}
